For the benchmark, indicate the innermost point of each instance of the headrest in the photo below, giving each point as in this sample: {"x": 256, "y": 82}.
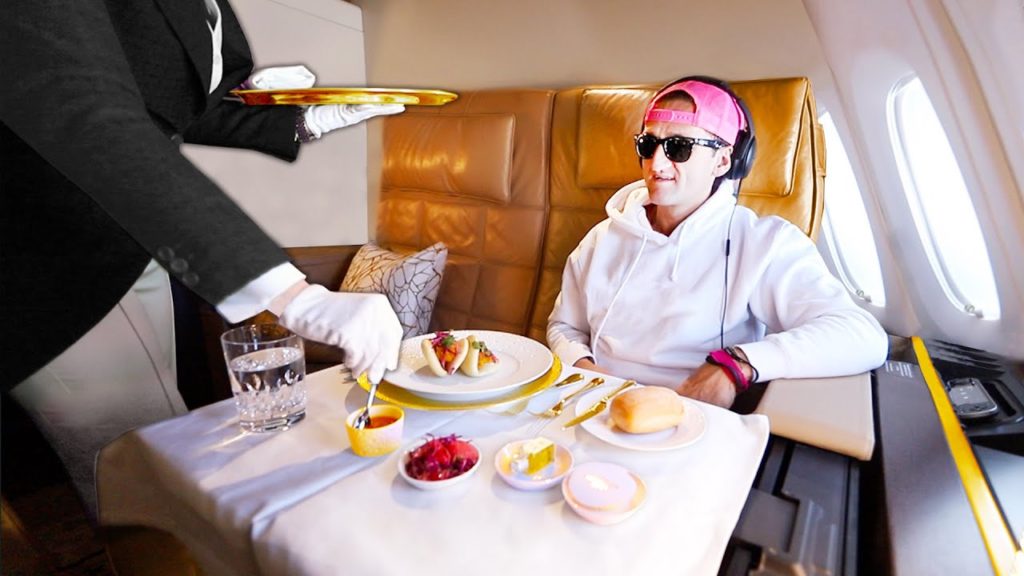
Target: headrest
{"x": 593, "y": 154}
{"x": 432, "y": 153}
{"x": 474, "y": 175}
{"x": 610, "y": 116}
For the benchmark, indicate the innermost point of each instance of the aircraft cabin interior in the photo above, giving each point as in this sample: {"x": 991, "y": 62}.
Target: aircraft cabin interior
{"x": 888, "y": 132}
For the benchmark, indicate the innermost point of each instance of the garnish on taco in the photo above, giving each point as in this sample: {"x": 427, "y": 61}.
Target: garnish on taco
{"x": 444, "y": 352}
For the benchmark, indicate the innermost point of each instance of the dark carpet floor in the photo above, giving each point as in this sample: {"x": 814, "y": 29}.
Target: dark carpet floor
{"x": 58, "y": 536}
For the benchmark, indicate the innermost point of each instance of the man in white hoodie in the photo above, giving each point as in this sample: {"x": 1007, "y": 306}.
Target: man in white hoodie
{"x": 681, "y": 287}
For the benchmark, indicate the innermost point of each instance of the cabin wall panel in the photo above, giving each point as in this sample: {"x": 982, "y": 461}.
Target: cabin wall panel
{"x": 992, "y": 32}
{"x": 320, "y": 199}
{"x": 473, "y": 44}
{"x": 476, "y": 44}
{"x": 871, "y": 46}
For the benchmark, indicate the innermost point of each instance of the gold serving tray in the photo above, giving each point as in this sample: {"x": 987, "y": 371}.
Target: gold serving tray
{"x": 394, "y": 395}
{"x": 313, "y": 96}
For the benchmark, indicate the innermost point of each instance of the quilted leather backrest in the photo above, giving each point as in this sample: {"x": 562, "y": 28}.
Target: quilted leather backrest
{"x": 474, "y": 175}
{"x": 592, "y": 156}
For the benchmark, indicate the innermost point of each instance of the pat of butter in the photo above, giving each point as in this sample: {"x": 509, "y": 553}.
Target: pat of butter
{"x": 534, "y": 456}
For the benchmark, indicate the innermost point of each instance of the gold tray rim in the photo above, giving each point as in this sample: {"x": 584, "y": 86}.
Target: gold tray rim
{"x": 344, "y": 95}
{"x": 394, "y": 395}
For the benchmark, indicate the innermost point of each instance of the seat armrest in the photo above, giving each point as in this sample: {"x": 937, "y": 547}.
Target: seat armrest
{"x": 831, "y": 413}
{"x": 324, "y": 265}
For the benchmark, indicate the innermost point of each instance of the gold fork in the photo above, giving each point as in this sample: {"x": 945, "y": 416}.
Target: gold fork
{"x": 564, "y": 402}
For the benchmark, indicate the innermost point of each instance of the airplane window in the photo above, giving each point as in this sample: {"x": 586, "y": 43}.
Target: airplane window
{"x": 846, "y": 227}
{"x": 941, "y": 205}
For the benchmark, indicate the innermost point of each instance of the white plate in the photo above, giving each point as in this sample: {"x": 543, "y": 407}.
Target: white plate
{"x": 520, "y": 361}
{"x": 689, "y": 431}
{"x": 543, "y": 479}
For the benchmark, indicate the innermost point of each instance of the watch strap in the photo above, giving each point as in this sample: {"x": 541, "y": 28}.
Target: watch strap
{"x": 732, "y": 368}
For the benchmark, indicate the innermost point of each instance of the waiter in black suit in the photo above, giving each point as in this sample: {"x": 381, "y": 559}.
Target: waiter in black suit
{"x": 98, "y": 202}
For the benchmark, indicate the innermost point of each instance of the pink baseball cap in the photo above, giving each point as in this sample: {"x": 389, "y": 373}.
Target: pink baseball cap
{"x": 715, "y": 110}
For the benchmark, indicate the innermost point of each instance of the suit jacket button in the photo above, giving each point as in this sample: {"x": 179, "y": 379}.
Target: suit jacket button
{"x": 190, "y": 279}
{"x": 179, "y": 265}
{"x": 164, "y": 253}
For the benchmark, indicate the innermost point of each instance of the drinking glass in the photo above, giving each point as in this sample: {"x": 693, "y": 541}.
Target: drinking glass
{"x": 267, "y": 367}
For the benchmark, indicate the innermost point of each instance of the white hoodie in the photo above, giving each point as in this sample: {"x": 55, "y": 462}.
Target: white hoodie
{"x": 649, "y": 307}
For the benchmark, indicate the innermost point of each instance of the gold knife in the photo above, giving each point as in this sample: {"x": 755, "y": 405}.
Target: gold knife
{"x": 599, "y": 406}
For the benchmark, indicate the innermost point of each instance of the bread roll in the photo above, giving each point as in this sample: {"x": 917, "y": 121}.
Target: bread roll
{"x": 647, "y": 409}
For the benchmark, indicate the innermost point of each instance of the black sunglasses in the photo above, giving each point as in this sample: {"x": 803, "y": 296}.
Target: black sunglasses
{"x": 677, "y": 148}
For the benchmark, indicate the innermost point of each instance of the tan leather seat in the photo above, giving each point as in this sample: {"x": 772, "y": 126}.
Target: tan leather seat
{"x": 474, "y": 175}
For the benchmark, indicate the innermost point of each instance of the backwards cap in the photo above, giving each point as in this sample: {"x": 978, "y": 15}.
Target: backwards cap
{"x": 715, "y": 110}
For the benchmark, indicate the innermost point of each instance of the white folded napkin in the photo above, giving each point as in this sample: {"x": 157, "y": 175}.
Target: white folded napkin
{"x": 280, "y": 78}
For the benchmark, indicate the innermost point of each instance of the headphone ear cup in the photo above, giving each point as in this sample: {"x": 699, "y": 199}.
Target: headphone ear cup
{"x": 742, "y": 156}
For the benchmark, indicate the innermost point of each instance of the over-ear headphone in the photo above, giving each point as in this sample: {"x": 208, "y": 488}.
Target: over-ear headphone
{"x": 745, "y": 147}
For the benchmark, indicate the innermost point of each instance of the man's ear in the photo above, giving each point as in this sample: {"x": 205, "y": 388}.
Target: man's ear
{"x": 723, "y": 162}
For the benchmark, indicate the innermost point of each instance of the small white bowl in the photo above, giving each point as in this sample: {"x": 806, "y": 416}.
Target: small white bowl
{"x": 547, "y": 477}
{"x": 603, "y": 493}
{"x": 436, "y": 484}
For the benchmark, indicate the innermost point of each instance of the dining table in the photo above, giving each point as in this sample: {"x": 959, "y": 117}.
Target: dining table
{"x": 300, "y": 502}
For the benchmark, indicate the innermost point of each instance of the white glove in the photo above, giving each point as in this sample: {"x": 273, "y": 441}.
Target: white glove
{"x": 322, "y": 119}
{"x": 280, "y": 78}
{"x": 363, "y": 325}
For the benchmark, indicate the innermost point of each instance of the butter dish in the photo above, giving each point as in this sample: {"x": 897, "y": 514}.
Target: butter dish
{"x": 505, "y": 462}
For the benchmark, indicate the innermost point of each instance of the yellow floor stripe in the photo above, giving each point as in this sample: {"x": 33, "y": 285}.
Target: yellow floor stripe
{"x": 1006, "y": 556}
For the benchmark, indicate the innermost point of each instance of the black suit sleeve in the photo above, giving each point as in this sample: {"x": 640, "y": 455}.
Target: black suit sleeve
{"x": 73, "y": 99}
{"x": 269, "y": 129}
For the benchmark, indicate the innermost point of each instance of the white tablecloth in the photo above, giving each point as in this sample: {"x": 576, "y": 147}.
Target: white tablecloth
{"x": 299, "y": 502}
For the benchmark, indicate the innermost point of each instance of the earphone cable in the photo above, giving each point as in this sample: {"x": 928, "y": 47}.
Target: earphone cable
{"x": 725, "y": 278}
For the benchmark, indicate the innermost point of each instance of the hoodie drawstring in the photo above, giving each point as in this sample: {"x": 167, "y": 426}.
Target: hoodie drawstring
{"x": 593, "y": 345}
{"x": 679, "y": 250}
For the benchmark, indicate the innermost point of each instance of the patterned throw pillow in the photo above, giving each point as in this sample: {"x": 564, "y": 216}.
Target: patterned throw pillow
{"x": 410, "y": 281}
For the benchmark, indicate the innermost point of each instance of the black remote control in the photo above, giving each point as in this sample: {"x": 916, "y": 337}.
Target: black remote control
{"x": 970, "y": 399}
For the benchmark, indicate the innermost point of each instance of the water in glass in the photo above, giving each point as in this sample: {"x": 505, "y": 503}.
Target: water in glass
{"x": 267, "y": 377}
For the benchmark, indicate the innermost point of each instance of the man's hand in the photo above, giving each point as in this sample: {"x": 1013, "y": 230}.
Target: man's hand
{"x": 709, "y": 384}
{"x": 588, "y": 364}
